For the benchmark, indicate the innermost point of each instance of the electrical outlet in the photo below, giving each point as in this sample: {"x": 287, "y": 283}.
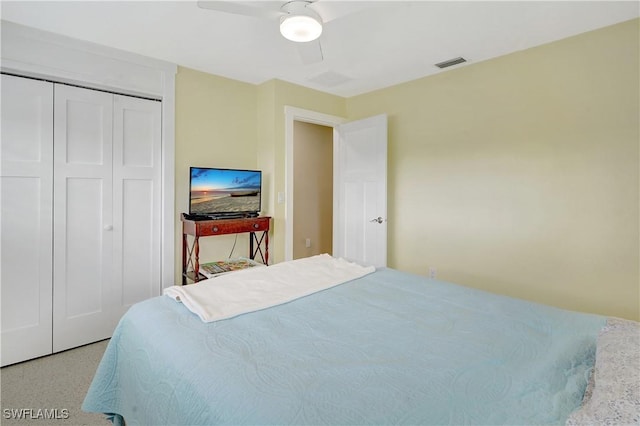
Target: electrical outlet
{"x": 307, "y": 242}
{"x": 433, "y": 272}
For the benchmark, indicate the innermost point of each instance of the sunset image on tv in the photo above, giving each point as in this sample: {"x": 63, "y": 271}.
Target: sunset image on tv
{"x": 219, "y": 191}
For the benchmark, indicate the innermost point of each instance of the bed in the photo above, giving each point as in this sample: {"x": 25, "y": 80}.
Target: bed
{"x": 386, "y": 347}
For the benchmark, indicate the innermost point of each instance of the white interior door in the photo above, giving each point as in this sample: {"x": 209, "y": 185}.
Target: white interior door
{"x": 136, "y": 200}
{"x": 26, "y": 194}
{"x": 360, "y": 191}
{"x": 83, "y": 221}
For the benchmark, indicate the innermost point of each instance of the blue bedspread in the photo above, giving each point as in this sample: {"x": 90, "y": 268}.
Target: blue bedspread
{"x": 388, "y": 348}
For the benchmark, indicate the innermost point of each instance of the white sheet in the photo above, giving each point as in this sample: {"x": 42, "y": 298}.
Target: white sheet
{"x": 258, "y": 288}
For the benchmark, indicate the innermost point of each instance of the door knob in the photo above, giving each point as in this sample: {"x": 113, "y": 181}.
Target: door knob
{"x": 378, "y": 220}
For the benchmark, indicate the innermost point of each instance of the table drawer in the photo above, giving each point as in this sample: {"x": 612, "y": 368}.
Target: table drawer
{"x": 218, "y": 227}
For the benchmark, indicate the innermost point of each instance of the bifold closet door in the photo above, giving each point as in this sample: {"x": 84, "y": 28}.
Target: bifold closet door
{"x": 80, "y": 222}
{"x": 107, "y": 174}
{"x": 83, "y": 294}
{"x": 26, "y": 196}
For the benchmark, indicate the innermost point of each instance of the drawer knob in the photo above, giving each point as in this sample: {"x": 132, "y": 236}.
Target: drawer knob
{"x": 256, "y": 226}
{"x": 215, "y": 229}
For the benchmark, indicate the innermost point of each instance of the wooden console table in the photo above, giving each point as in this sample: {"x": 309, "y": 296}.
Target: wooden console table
{"x": 207, "y": 228}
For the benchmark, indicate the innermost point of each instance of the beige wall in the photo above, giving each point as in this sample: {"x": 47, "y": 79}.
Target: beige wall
{"x": 215, "y": 127}
{"x": 273, "y": 96}
{"x": 227, "y": 123}
{"x": 312, "y": 189}
{"x": 519, "y": 175}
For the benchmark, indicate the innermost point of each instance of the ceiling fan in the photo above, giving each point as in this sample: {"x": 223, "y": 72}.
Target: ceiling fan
{"x": 299, "y": 22}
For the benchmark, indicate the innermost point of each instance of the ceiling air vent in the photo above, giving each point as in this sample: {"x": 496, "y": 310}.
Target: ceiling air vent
{"x": 451, "y": 62}
{"x": 330, "y": 79}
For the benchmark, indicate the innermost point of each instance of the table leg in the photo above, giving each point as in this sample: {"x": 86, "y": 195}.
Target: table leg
{"x": 196, "y": 266}
{"x": 184, "y": 259}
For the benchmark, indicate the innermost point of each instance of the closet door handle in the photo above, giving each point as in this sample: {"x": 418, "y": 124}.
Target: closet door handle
{"x": 108, "y": 227}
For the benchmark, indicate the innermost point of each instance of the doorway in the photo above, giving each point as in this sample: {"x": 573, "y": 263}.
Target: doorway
{"x": 312, "y": 189}
{"x": 292, "y": 116}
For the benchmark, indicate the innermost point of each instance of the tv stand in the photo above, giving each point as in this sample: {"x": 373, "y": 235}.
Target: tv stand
{"x": 196, "y": 228}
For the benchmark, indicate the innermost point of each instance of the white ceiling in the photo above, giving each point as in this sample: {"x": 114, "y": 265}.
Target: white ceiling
{"x": 367, "y": 45}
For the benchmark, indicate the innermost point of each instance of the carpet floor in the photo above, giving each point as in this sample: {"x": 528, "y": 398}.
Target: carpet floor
{"x": 56, "y": 383}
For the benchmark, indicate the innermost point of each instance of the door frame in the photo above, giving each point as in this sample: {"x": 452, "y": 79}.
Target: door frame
{"x": 291, "y": 115}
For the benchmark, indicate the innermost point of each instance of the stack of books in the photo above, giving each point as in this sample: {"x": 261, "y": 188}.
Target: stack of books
{"x": 220, "y": 267}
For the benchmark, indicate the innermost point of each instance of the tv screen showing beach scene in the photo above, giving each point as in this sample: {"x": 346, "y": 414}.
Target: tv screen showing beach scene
{"x": 216, "y": 191}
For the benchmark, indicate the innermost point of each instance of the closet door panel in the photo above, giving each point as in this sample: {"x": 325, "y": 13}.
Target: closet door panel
{"x": 137, "y": 198}
{"x": 84, "y": 255}
{"x": 83, "y": 219}
{"x": 26, "y": 194}
{"x": 137, "y": 258}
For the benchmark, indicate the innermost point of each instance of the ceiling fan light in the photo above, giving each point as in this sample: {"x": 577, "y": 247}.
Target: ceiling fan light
{"x": 300, "y": 28}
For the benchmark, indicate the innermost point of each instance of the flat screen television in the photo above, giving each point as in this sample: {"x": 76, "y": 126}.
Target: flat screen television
{"x": 215, "y": 192}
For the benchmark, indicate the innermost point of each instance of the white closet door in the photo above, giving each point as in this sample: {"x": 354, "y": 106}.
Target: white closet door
{"x": 136, "y": 200}
{"x": 83, "y": 222}
{"x": 26, "y": 193}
